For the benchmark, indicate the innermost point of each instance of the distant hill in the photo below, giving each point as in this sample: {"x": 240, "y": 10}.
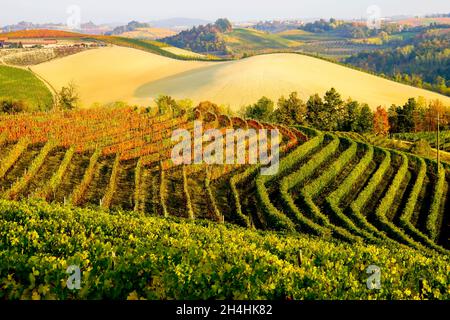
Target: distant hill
{"x": 41, "y": 33}
{"x": 203, "y": 39}
{"x": 131, "y": 26}
{"x": 138, "y": 30}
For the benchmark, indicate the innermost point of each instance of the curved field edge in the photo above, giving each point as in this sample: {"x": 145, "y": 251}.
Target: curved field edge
{"x": 129, "y": 255}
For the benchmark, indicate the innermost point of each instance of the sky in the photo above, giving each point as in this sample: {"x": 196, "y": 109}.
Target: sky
{"x": 107, "y": 11}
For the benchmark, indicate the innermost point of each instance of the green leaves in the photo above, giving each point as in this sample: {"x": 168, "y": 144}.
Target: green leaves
{"x": 168, "y": 259}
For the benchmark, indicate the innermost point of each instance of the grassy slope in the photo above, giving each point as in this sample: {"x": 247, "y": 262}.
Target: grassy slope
{"x": 20, "y": 84}
{"x": 129, "y": 255}
{"x": 240, "y": 40}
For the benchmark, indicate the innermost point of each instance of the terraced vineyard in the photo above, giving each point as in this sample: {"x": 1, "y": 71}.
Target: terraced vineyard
{"x": 327, "y": 185}
{"x": 444, "y": 138}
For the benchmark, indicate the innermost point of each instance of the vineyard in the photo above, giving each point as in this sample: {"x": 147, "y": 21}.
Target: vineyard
{"x": 430, "y": 137}
{"x": 29, "y": 57}
{"x": 360, "y": 199}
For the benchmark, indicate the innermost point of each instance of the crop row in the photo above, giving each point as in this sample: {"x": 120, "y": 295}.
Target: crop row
{"x": 55, "y": 181}
{"x": 80, "y": 190}
{"x": 32, "y": 170}
{"x": 9, "y": 161}
{"x": 112, "y": 185}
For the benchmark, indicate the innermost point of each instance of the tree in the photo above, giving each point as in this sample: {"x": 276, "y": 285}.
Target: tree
{"x": 406, "y": 116}
{"x": 224, "y": 25}
{"x": 349, "y": 121}
{"x": 166, "y": 104}
{"x": 208, "y": 106}
{"x": 381, "y": 121}
{"x": 393, "y": 118}
{"x": 261, "y": 110}
{"x": 314, "y": 108}
{"x": 68, "y": 98}
{"x": 291, "y": 111}
{"x": 365, "y": 120}
{"x": 325, "y": 114}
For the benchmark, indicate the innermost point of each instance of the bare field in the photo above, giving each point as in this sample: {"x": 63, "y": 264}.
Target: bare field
{"x": 112, "y": 74}
{"x": 123, "y": 74}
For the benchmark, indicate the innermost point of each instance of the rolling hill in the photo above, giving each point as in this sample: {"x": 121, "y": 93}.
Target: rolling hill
{"x": 115, "y": 73}
{"x": 248, "y": 40}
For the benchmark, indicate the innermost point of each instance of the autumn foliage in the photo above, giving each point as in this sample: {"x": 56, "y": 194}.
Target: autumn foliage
{"x": 381, "y": 121}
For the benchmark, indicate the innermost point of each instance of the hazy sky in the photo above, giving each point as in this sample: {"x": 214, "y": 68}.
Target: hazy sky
{"x": 101, "y": 11}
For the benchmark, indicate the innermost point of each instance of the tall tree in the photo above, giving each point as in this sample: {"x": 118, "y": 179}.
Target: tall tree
{"x": 291, "y": 111}
{"x": 365, "y": 120}
{"x": 261, "y": 110}
{"x": 350, "y": 118}
{"x": 327, "y": 113}
{"x": 381, "y": 121}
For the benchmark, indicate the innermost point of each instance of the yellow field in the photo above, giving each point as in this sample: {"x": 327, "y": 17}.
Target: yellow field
{"x": 123, "y": 74}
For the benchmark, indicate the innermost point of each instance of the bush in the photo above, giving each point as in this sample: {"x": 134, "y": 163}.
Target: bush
{"x": 421, "y": 147}
{"x": 13, "y": 106}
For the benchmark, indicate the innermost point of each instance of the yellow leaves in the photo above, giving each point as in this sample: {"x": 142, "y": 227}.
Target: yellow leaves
{"x": 35, "y": 295}
{"x": 133, "y": 296}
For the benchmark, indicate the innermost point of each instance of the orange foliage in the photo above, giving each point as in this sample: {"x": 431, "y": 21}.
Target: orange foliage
{"x": 381, "y": 121}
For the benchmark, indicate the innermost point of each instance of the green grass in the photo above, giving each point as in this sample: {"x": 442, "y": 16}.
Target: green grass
{"x": 20, "y": 84}
{"x": 248, "y": 39}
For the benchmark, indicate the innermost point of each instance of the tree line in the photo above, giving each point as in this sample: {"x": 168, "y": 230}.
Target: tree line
{"x": 332, "y": 113}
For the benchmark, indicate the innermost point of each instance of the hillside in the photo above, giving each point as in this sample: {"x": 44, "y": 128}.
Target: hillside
{"x": 120, "y": 159}
{"x": 121, "y": 68}
{"x": 139, "y": 77}
{"x": 251, "y": 40}
{"x": 341, "y": 203}
{"x": 22, "y": 85}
